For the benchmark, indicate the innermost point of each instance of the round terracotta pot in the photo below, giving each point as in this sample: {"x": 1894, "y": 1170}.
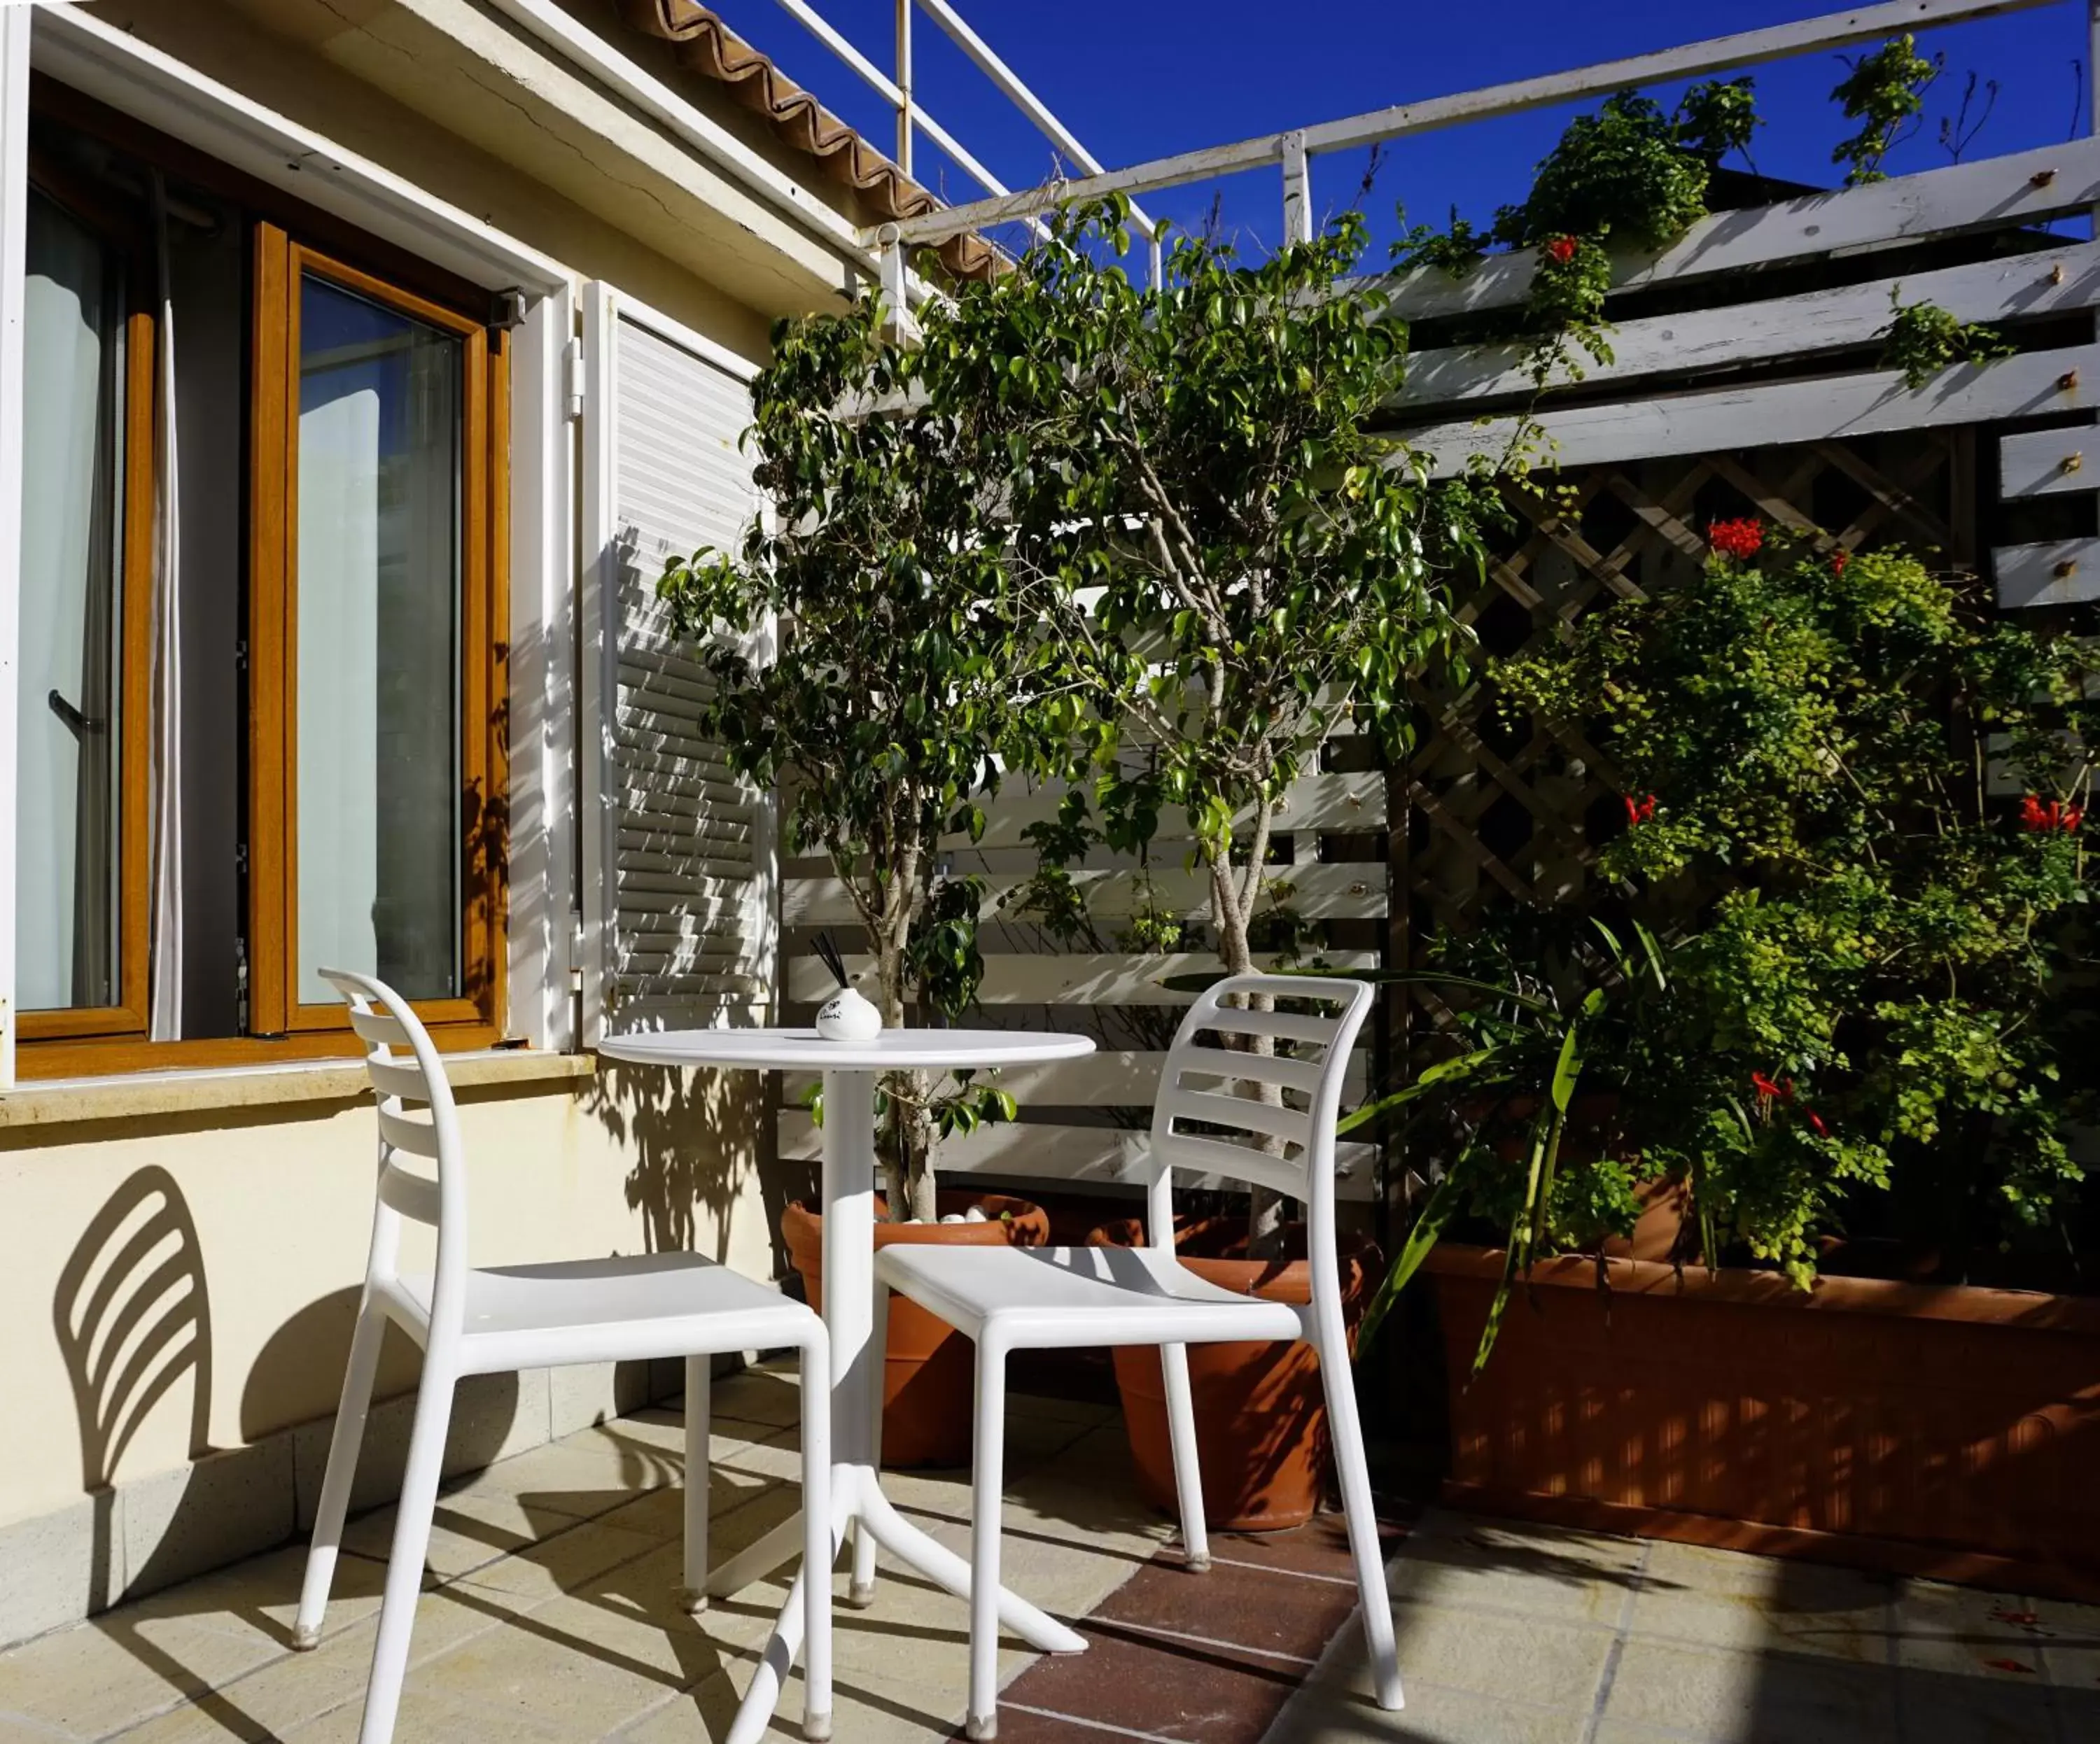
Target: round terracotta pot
{"x": 1261, "y": 1419}
{"x": 929, "y": 1379}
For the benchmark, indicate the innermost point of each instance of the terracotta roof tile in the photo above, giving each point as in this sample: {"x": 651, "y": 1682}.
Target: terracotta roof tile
{"x": 709, "y": 49}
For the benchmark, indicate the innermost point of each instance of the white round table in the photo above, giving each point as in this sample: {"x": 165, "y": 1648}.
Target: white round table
{"x": 851, "y": 1071}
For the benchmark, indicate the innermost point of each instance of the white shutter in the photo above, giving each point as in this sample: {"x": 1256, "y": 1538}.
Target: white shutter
{"x": 679, "y": 853}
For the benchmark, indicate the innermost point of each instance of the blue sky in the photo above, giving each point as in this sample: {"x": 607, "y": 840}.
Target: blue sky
{"x": 1141, "y": 78}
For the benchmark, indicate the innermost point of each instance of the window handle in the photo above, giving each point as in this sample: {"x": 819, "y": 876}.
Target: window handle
{"x": 71, "y": 716}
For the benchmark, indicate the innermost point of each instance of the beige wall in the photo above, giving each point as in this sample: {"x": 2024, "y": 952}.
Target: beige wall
{"x": 454, "y": 100}
{"x": 280, "y": 1203}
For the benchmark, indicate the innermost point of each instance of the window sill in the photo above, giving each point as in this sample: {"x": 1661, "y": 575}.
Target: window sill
{"x": 64, "y": 1101}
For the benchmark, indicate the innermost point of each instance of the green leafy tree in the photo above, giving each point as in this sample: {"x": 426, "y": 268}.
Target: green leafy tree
{"x": 900, "y": 671}
{"x": 1229, "y": 568}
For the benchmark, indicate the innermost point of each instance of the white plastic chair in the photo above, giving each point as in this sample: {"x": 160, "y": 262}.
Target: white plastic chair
{"x": 1020, "y": 1298}
{"x": 474, "y": 1322}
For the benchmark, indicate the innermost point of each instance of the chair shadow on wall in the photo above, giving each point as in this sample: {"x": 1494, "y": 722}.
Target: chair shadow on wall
{"x": 133, "y": 1317}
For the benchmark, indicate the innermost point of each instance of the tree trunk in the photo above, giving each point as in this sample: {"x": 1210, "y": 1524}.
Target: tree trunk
{"x": 907, "y": 1132}
{"x": 1231, "y": 910}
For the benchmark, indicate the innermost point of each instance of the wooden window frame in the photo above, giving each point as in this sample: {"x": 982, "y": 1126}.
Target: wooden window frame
{"x": 283, "y": 231}
{"x": 280, "y": 265}
{"x": 132, "y": 673}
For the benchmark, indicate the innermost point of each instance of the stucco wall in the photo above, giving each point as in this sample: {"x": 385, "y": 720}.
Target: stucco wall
{"x": 279, "y": 1200}
{"x": 111, "y": 1471}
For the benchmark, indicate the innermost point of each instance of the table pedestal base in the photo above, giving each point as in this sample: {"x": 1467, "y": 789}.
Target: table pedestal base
{"x": 858, "y": 1501}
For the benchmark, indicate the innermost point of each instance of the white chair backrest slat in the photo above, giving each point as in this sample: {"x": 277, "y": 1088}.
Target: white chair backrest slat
{"x": 1281, "y": 1136}
{"x": 1282, "y": 1026}
{"x": 416, "y": 1118}
{"x": 411, "y": 1196}
{"x": 1239, "y": 1162}
{"x": 1300, "y": 1075}
{"x": 1242, "y": 1112}
{"x": 398, "y": 1077}
{"x": 377, "y": 1027}
{"x": 403, "y": 1132}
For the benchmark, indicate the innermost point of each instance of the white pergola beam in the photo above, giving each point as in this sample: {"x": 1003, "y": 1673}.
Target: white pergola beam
{"x": 1745, "y": 48}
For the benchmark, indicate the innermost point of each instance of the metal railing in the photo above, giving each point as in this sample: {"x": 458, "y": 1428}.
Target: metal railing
{"x": 914, "y": 120}
{"x": 1292, "y": 150}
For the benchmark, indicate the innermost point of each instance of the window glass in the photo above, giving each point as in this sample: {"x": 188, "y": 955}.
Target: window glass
{"x": 66, "y": 842}
{"x": 377, "y": 611}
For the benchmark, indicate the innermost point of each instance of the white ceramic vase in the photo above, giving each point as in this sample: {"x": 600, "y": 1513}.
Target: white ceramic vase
{"x": 847, "y": 1016}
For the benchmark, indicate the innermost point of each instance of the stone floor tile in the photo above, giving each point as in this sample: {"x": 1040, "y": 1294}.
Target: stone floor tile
{"x": 292, "y": 1689}
{"x": 763, "y": 1394}
{"x": 119, "y": 1669}
{"x": 1961, "y": 1632}
{"x": 14, "y": 1729}
{"x": 534, "y": 1673}
{"x": 1540, "y": 1661}
{"x": 1751, "y": 1696}
{"x": 864, "y": 1710}
{"x": 1939, "y": 1709}
{"x": 1449, "y": 1559}
{"x": 558, "y": 1564}
{"x": 1719, "y": 1598}
{"x": 1319, "y": 1714}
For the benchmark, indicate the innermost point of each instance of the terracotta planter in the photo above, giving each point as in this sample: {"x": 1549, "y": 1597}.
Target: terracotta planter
{"x": 1261, "y": 1421}
{"x": 1950, "y": 1432}
{"x": 928, "y": 1373}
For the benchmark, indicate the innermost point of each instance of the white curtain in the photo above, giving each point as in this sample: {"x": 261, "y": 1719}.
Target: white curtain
{"x": 63, "y": 943}
{"x": 165, "y": 775}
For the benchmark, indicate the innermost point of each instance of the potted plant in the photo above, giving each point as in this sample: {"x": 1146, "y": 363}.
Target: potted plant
{"x": 898, "y": 673}
{"x": 1854, "y": 808}
{"x": 1227, "y": 570}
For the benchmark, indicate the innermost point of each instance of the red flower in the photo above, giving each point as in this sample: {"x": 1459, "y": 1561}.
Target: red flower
{"x": 1769, "y": 1090}
{"x": 1838, "y": 559}
{"x": 1736, "y": 538}
{"x": 1816, "y": 1121}
{"x": 2044, "y": 817}
{"x": 1638, "y": 811}
{"x": 1561, "y": 250}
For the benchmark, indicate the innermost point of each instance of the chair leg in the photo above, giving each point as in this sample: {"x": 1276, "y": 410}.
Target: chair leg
{"x": 404, "y": 1561}
{"x": 1337, "y": 1378}
{"x": 343, "y": 1445}
{"x": 987, "y": 1488}
{"x": 819, "y": 1548}
{"x": 860, "y": 1589}
{"x": 698, "y": 1379}
{"x": 1188, "y": 1471}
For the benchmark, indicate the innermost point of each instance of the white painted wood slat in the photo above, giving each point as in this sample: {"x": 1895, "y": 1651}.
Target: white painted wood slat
{"x": 2034, "y": 384}
{"x": 1115, "y": 1078}
{"x": 2020, "y": 187}
{"x": 1336, "y": 803}
{"x": 1040, "y": 1152}
{"x": 1784, "y": 327}
{"x": 1319, "y": 891}
{"x": 2046, "y": 463}
{"x": 2062, "y": 572}
{"x": 1074, "y": 979}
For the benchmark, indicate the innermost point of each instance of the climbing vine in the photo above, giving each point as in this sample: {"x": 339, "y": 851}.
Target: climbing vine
{"x": 1923, "y": 339}
{"x": 1883, "y": 91}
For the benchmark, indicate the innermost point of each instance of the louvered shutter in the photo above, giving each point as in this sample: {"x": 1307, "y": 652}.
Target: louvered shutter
{"x": 684, "y": 933}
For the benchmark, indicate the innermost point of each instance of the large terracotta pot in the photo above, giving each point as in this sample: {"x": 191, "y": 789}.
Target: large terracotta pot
{"x": 1936, "y": 1430}
{"x": 1261, "y": 1419}
{"x": 929, "y": 1375}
